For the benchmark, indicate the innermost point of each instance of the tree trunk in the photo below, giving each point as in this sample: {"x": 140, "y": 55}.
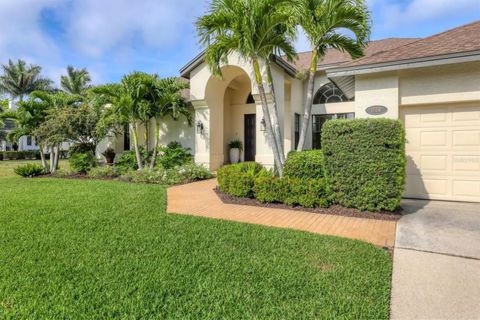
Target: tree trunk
{"x": 266, "y": 114}
{"x": 155, "y": 148}
{"x": 133, "y": 127}
{"x": 146, "y": 136}
{"x": 308, "y": 102}
{"x": 52, "y": 159}
{"x": 42, "y": 157}
{"x": 275, "y": 122}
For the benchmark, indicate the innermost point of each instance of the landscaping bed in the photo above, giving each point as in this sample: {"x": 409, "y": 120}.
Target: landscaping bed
{"x": 332, "y": 210}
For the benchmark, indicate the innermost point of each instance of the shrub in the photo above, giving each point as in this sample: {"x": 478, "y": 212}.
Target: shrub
{"x": 127, "y": 161}
{"x": 82, "y": 162}
{"x": 29, "y": 170}
{"x": 109, "y": 155}
{"x": 364, "y": 162}
{"x": 308, "y": 193}
{"x": 173, "y": 155}
{"x": 103, "y": 172}
{"x": 238, "y": 179}
{"x": 145, "y": 176}
{"x": 193, "y": 172}
{"x": 63, "y": 173}
{"x": 305, "y": 164}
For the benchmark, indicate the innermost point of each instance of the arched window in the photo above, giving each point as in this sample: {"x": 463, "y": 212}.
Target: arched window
{"x": 329, "y": 93}
{"x": 250, "y": 98}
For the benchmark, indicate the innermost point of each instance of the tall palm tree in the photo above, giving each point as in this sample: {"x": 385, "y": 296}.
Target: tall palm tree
{"x": 166, "y": 100}
{"x": 19, "y": 79}
{"x": 77, "y": 81}
{"x": 250, "y": 28}
{"x": 339, "y": 24}
{"x": 127, "y": 99}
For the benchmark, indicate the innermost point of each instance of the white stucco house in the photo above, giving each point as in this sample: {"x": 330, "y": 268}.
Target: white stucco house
{"x": 432, "y": 85}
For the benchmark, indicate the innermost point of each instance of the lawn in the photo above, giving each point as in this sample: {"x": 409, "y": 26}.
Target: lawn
{"x": 6, "y": 167}
{"x": 85, "y": 249}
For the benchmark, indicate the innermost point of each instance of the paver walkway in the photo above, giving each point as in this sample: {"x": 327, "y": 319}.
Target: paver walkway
{"x": 200, "y": 199}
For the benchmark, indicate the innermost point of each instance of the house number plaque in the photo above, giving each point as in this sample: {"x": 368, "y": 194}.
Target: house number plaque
{"x": 376, "y": 110}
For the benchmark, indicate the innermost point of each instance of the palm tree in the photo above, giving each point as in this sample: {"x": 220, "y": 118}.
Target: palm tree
{"x": 250, "y": 28}
{"x": 77, "y": 81}
{"x": 19, "y": 79}
{"x": 339, "y": 24}
{"x": 167, "y": 101}
{"x": 127, "y": 100}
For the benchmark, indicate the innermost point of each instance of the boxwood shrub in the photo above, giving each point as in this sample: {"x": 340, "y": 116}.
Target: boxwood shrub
{"x": 364, "y": 161}
{"x": 238, "y": 179}
{"x": 308, "y": 193}
{"x": 305, "y": 164}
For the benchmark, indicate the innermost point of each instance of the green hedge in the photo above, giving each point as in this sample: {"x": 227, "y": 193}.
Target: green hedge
{"x": 308, "y": 193}
{"x": 238, "y": 179}
{"x": 364, "y": 162}
{"x": 19, "y": 155}
{"x": 305, "y": 164}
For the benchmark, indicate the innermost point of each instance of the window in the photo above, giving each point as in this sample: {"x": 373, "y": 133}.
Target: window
{"x": 250, "y": 98}
{"x": 29, "y": 140}
{"x": 319, "y": 120}
{"x": 329, "y": 93}
{"x": 296, "y": 126}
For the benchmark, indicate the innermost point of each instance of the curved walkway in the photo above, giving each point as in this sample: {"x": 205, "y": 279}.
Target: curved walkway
{"x": 200, "y": 199}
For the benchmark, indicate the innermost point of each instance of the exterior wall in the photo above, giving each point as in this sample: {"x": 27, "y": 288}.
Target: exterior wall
{"x": 377, "y": 89}
{"x": 454, "y": 83}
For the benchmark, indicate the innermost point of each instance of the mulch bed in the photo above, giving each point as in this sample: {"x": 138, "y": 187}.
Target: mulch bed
{"x": 333, "y": 210}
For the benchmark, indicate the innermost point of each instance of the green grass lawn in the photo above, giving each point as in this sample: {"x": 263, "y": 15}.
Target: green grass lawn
{"x": 6, "y": 167}
{"x": 85, "y": 249}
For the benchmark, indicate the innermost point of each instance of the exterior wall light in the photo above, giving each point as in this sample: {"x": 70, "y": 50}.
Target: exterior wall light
{"x": 263, "y": 125}
{"x": 199, "y": 127}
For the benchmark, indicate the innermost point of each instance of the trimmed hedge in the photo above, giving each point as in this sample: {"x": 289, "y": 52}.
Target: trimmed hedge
{"x": 238, "y": 179}
{"x": 308, "y": 193}
{"x": 364, "y": 161}
{"x": 305, "y": 164}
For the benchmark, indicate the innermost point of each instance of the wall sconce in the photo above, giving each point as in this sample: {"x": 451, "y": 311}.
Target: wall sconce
{"x": 263, "y": 125}
{"x": 199, "y": 127}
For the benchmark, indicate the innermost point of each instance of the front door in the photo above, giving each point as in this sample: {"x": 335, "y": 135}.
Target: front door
{"x": 250, "y": 136}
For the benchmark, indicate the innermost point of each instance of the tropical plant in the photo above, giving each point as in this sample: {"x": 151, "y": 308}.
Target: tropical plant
{"x": 165, "y": 100}
{"x": 77, "y": 81}
{"x": 340, "y": 24}
{"x": 19, "y": 79}
{"x": 126, "y": 100}
{"x": 236, "y": 144}
{"x": 29, "y": 170}
{"x": 50, "y": 131}
{"x": 254, "y": 29}
{"x": 109, "y": 155}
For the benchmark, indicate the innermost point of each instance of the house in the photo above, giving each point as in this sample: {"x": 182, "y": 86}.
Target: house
{"x": 431, "y": 84}
{"x": 25, "y": 143}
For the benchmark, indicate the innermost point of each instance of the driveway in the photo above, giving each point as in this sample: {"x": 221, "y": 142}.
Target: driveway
{"x": 436, "y": 265}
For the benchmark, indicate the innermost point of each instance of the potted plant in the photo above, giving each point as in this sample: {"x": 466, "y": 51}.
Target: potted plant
{"x": 236, "y": 147}
{"x": 109, "y": 155}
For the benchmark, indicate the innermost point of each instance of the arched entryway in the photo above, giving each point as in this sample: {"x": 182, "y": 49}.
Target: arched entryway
{"x": 232, "y": 115}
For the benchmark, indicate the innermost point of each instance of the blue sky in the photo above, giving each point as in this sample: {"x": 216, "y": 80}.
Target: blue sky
{"x": 114, "y": 37}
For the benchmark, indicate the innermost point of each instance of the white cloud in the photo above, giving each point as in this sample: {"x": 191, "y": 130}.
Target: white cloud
{"x": 95, "y": 27}
{"x": 394, "y": 15}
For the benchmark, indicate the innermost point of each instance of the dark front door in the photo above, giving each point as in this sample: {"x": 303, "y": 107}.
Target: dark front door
{"x": 250, "y": 130}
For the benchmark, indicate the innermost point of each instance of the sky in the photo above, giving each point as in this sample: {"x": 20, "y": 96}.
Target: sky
{"x": 114, "y": 37}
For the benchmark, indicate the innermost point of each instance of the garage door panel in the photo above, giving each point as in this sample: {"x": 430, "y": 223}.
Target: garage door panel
{"x": 443, "y": 152}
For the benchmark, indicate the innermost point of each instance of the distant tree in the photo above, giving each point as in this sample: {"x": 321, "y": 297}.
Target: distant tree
{"x": 19, "y": 79}
{"x": 77, "y": 81}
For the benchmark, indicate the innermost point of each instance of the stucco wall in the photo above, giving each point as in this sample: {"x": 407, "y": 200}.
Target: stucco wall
{"x": 454, "y": 83}
{"x": 377, "y": 89}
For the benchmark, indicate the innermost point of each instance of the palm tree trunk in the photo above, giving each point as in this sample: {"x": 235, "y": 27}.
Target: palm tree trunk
{"x": 133, "y": 127}
{"x": 52, "y": 159}
{"x": 146, "y": 135}
{"x": 266, "y": 114}
{"x": 276, "y": 125}
{"x": 308, "y": 102}
{"x": 155, "y": 148}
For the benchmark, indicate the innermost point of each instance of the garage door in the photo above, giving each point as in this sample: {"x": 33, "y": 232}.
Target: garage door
{"x": 443, "y": 151}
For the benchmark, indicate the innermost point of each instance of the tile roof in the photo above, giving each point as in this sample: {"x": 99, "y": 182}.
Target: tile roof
{"x": 334, "y": 56}
{"x": 458, "y": 40}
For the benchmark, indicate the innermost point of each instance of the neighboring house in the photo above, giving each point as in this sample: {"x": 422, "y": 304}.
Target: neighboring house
{"x": 431, "y": 84}
{"x": 25, "y": 143}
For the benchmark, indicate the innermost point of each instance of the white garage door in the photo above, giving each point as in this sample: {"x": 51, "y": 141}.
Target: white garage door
{"x": 443, "y": 151}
